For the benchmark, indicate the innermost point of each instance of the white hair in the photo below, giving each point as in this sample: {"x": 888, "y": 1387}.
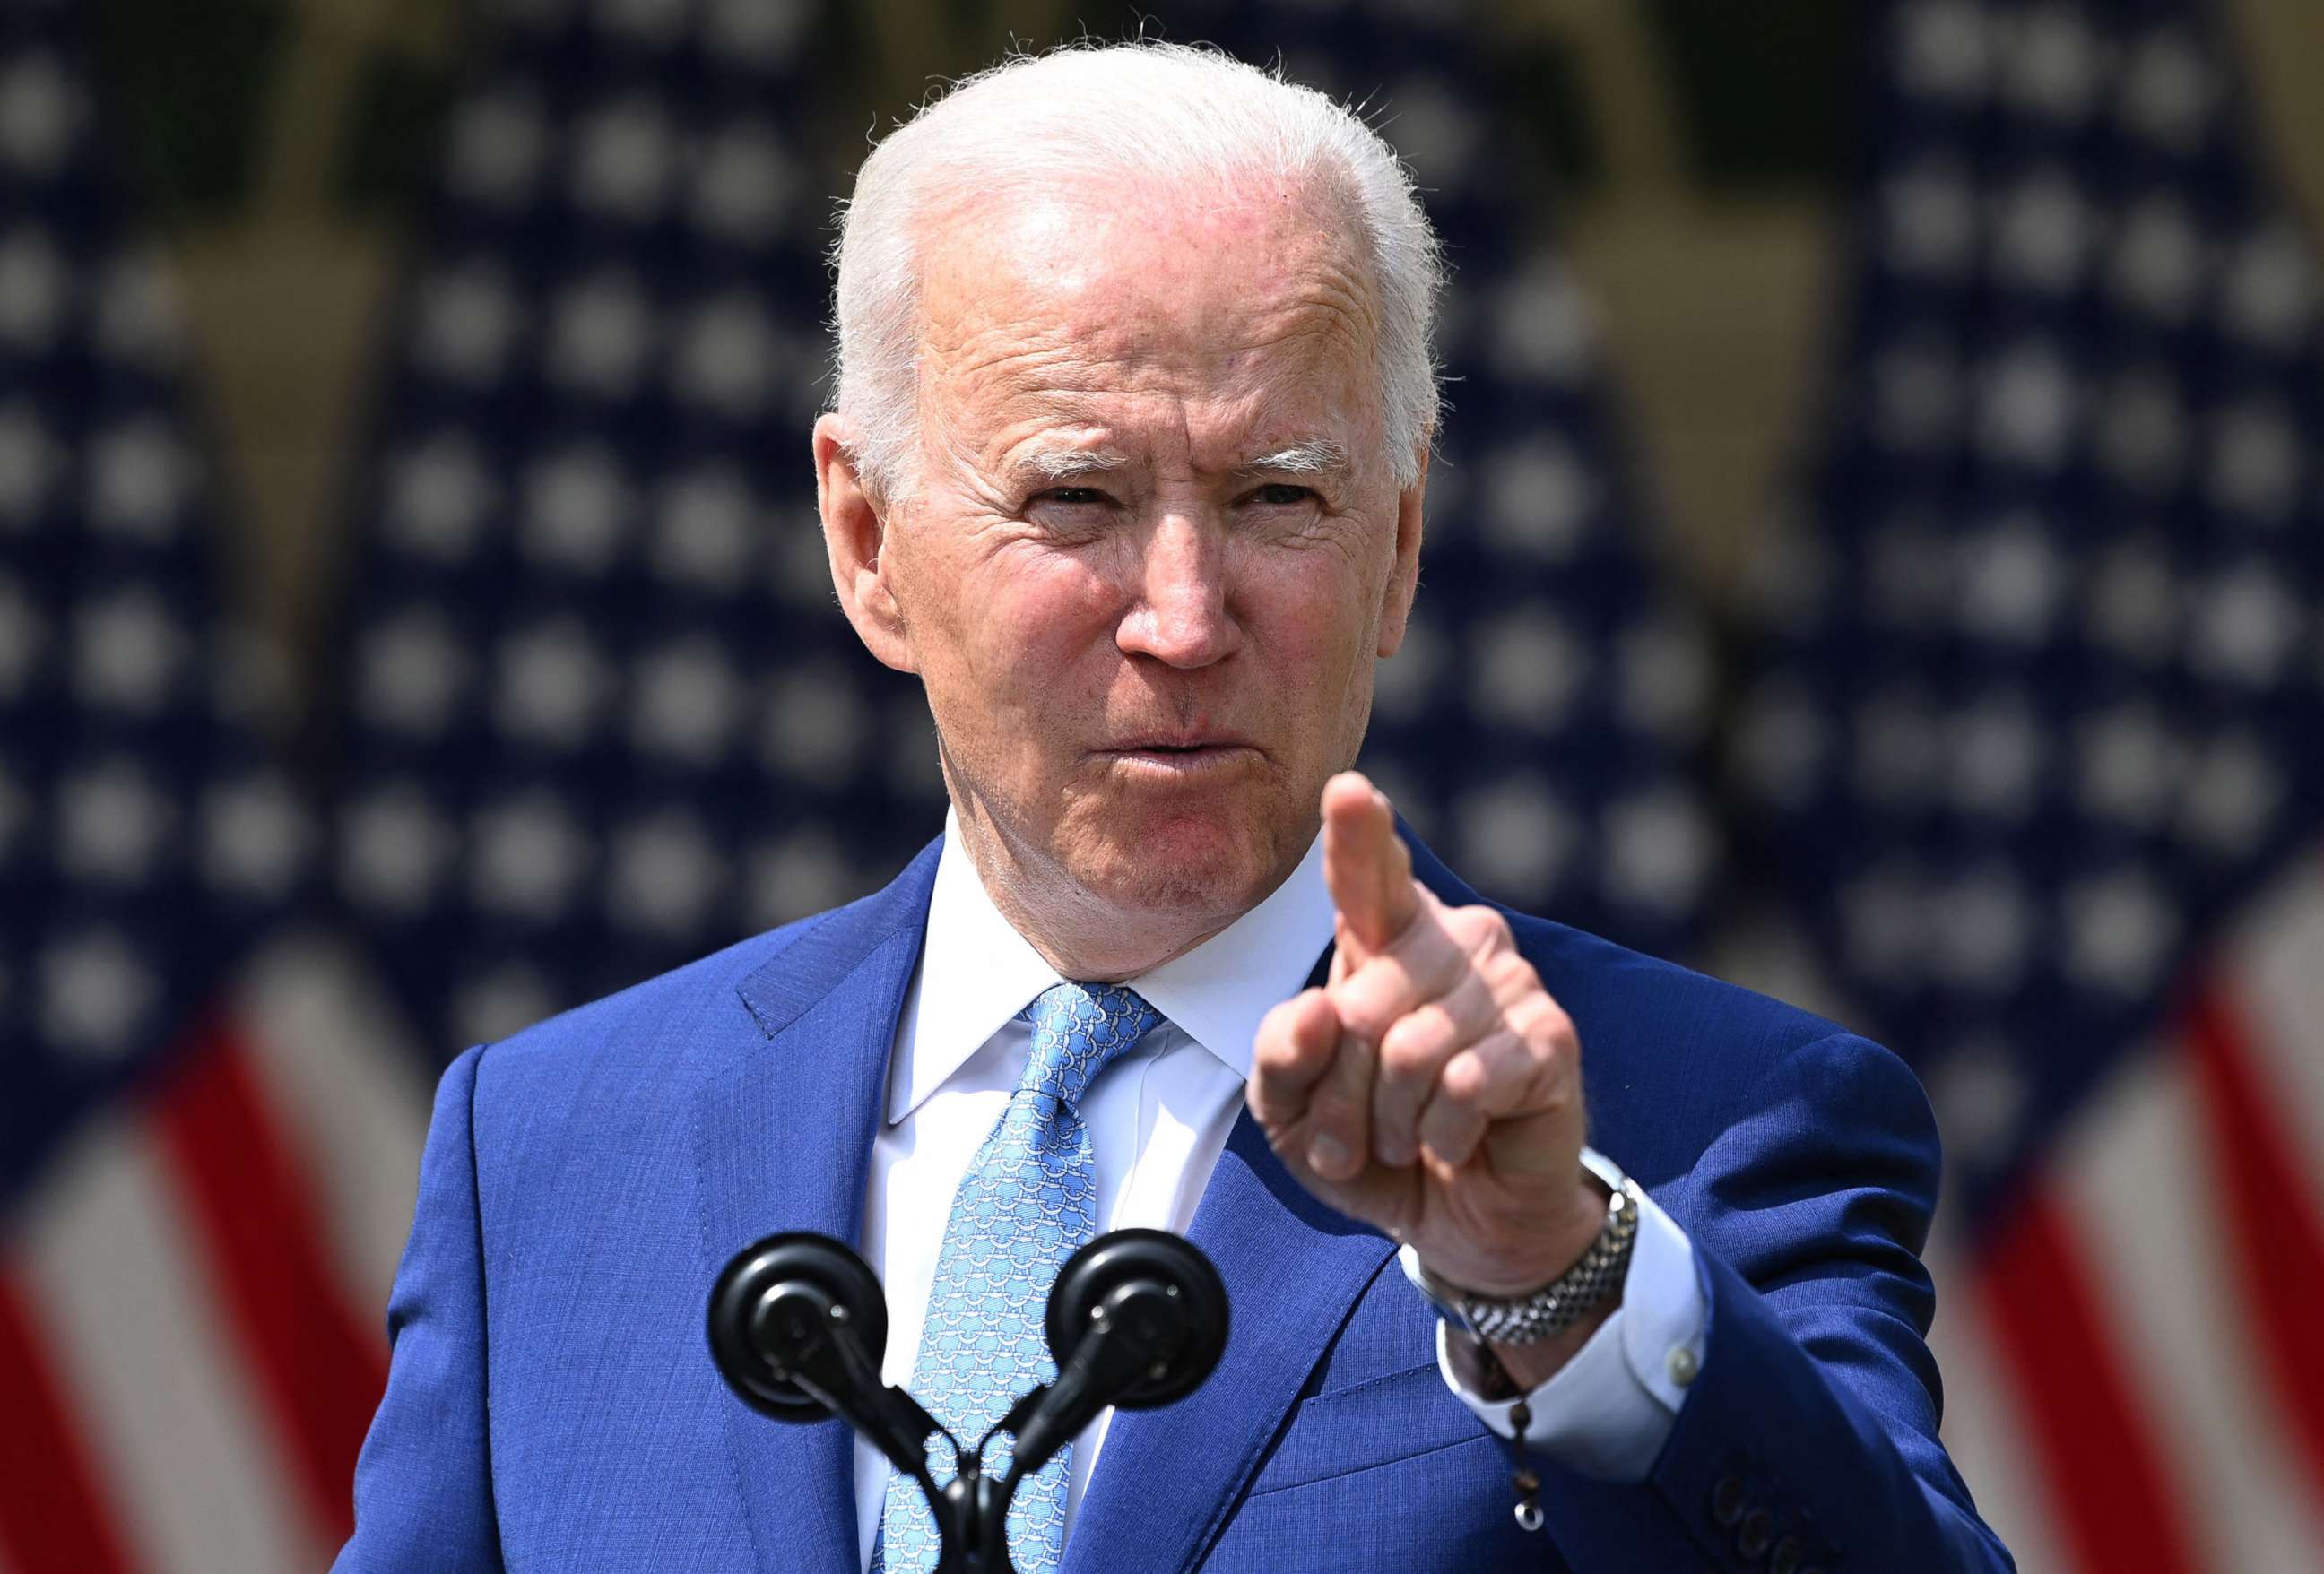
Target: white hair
{"x": 1139, "y": 109}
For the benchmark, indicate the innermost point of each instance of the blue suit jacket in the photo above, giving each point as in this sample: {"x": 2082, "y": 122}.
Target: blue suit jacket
{"x": 552, "y": 1406}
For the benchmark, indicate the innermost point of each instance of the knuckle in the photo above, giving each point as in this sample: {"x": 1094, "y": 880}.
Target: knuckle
{"x": 1555, "y": 1027}
{"x": 1512, "y": 974}
{"x": 1276, "y": 1047}
{"x": 1295, "y": 1063}
{"x": 1371, "y": 999}
{"x": 1489, "y": 929}
{"x": 1463, "y": 1079}
{"x": 1511, "y": 1056}
{"x": 1292, "y": 1057}
{"x": 1472, "y": 927}
{"x": 1411, "y": 1047}
{"x": 1533, "y": 1007}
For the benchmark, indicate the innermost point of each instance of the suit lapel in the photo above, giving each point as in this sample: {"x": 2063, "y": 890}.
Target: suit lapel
{"x": 783, "y": 1131}
{"x": 1294, "y": 1269}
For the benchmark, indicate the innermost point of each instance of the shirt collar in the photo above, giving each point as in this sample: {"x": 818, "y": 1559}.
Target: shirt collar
{"x": 977, "y": 972}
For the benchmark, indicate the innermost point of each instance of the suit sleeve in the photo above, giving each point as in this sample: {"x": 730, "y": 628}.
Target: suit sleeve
{"x": 1814, "y": 1416}
{"x": 1610, "y": 1409}
{"x": 423, "y": 1483}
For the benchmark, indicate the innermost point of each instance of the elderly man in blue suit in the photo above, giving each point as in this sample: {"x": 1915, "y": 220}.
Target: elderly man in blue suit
{"x": 1127, "y": 465}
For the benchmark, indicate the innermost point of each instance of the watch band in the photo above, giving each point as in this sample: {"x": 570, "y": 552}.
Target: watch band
{"x": 1557, "y": 1306}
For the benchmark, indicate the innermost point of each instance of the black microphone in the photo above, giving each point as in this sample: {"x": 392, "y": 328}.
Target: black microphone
{"x": 1137, "y": 1319}
{"x": 797, "y": 1326}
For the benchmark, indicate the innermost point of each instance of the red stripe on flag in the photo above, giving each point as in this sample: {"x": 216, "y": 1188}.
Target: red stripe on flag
{"x": 2279, "y": 1242}
{"x": 2118, "y": 1506}
{"x": 53, "y": 1511}
{"x": 318, "y": 1367}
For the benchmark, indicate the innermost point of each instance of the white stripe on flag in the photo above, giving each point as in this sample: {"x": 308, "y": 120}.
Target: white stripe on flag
{"x": 348, "y": 1093}
{"x": 2276, "y": 977}
{"x": 1982, "y": 1428}
{"x": 2136, "y": 1176}
{"x": 147, "y": 1370}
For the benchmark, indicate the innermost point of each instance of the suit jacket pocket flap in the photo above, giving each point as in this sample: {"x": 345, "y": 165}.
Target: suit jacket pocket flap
{"x": 1366, "y": 1425}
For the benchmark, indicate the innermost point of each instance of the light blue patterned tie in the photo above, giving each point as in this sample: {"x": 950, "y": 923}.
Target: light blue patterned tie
{"x": 1029, "y": 1201}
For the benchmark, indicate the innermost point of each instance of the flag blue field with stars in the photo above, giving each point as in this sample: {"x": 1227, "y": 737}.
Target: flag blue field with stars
{"x": 600, "y": 712}
{"x": 2047, "y": 703}
{"x": 2038, "y": 753}
{"x": 146, "y": 837}
{"x": 184, "y": 1380}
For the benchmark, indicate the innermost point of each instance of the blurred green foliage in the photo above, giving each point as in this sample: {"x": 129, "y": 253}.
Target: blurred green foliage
{"x": 189, "y": 83}
{"x": 1541, "y": 90}
{"x": 1762, "y": 85}
{"x": 387, "y": 153}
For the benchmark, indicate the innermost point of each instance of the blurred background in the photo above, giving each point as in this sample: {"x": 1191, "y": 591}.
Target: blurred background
{"x": 1876, "y": 553}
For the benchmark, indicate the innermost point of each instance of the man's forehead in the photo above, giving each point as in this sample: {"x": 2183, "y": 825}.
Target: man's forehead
{"x": 1215, "y": 206}
{"x": 1117, "y": 334}
{"x": 1120, "y": 270}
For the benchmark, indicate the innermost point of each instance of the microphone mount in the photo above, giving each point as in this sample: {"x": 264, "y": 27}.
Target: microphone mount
{"x": 1135, "y": 1318}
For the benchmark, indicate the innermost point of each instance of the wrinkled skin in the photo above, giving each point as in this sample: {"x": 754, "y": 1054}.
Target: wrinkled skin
{"x": 1145, "y": 648}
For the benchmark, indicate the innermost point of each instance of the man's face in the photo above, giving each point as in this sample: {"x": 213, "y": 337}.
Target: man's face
{"x": 1157, "y": 542}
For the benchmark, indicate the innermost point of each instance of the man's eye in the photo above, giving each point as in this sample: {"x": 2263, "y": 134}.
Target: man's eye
{"x": 1281, "y": 494}
{"x": 1074, "y": 496}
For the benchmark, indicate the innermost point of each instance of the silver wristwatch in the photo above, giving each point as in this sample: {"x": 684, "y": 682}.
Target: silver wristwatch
{"x": 1527, "y": 1319}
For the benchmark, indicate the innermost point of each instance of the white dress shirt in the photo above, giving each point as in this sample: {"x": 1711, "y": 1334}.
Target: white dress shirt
{"x": 1157, "y": 1117}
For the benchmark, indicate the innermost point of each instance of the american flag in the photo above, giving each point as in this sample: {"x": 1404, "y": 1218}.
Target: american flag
{"x": 602, "y": 713}
{"x": 2040, "y": 751}
{"x": 595, "y": 710}
{"x": 195, "y": 1211}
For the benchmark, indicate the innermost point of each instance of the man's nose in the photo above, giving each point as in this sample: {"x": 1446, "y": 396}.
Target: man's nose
{"x": 1180, "y": 614}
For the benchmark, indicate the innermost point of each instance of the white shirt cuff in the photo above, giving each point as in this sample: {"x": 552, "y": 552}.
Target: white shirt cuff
{"x": 1607, "y": 1412}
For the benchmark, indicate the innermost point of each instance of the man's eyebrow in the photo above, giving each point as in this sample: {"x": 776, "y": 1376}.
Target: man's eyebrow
{"x": 1317, "y": 456}
{"x": 1069, "y": 463}
{"x": 1314, "y": 456}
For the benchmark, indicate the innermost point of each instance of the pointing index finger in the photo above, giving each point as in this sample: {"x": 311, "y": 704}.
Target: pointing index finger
{"x": 1366, "y": 865}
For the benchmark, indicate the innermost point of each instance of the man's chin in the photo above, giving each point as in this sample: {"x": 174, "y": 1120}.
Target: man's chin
{"x": 1189, "y": 862}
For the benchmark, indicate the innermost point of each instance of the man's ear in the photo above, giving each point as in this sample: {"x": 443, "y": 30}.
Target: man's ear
{"x": 1403, "y": 577}
{"x": 855, "y": 536}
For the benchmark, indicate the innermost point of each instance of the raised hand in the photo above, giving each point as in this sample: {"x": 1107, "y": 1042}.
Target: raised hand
{"x": 1433, "y": 1088}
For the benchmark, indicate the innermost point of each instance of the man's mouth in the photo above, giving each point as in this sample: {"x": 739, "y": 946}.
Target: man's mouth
{"x": 1180, "y": 755}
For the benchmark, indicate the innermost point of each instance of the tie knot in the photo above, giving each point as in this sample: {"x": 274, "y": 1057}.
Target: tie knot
{"x": 1077, "y": 1028}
